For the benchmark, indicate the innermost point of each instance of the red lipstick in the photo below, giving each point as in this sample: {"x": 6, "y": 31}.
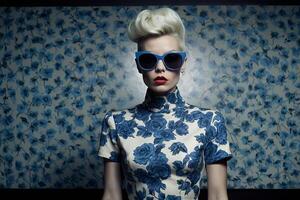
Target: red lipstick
{"x": 160, "y": 80}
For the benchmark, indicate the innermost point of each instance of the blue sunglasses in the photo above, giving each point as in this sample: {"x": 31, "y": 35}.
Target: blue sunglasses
{"x": 147, "y": 61}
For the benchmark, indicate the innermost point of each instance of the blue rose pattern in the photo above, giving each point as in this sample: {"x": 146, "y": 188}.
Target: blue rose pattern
{"x": 143, "y": 153}
{"x": 177, "y": 147}
{"x": 165, "y": 153}
{"x": 61, "y": 69}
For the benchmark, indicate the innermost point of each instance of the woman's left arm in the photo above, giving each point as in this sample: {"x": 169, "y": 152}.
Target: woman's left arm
{"x": 217, "y": 181}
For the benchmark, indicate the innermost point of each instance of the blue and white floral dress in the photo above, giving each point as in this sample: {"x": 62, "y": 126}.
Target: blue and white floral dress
{"x": 163, "y": 145}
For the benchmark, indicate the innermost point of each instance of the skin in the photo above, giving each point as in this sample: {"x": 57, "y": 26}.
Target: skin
{"x": 112, "y": 181}
{"x": 216, "y": 172}
{"x": 217, "y": 181}
{"x": 161, "y": 45}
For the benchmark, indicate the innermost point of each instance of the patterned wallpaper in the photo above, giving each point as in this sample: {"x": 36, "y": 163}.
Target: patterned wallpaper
{"x": 62, "y": 68}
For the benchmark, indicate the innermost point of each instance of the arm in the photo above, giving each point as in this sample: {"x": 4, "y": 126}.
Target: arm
{"x": 217, "y": 181}
{"x": 112, "y": 181}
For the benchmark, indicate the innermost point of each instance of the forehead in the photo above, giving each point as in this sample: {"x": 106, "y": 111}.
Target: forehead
{"x": 160, "y": 44}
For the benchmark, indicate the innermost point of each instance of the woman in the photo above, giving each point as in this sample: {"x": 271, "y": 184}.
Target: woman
{"x": 161, "y": 145}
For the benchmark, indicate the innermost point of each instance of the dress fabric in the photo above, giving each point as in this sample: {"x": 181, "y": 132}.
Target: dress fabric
{"x": 163, "y": 145}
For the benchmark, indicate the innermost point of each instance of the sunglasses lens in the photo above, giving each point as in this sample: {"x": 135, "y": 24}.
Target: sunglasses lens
{"x": 147, "y": 61}
{"x": 173, "y": 61}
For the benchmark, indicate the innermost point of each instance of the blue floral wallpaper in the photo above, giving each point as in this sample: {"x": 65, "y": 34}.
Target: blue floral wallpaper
{"x": 62, "y": 68}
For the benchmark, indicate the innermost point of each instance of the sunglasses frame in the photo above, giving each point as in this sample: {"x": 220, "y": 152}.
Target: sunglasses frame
{"x": 158, "y": 57}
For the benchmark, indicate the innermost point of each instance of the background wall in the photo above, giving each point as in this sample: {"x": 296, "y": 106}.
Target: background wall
{"x": 61, "y": 69}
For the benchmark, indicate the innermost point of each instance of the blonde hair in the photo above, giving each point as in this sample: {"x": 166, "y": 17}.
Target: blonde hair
{"x": 158, "y": 22}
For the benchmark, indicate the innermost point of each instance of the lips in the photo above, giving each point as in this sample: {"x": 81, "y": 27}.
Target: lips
{"x": 160, "y": 78}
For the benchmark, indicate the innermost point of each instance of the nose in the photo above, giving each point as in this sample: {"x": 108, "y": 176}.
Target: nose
{"x": 160, "y": 66}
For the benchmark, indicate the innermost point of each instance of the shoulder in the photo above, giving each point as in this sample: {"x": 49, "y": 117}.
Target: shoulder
{"x": 192, "y": 108}
{"x": 130, "y": 110}
{"x": 117, "y": 115}
{"x": 212, "y": 113}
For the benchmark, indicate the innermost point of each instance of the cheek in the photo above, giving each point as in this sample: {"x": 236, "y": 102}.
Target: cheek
{"x": 175, "y": 76}
{"x": 147, "y": 77}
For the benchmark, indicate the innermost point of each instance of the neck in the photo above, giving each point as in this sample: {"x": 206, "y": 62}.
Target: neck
{"x": 163, "y": 102}
{"x": 162, "y": 93}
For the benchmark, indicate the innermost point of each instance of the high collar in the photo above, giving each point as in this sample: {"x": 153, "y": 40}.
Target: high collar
{"x": 163, "y": 103}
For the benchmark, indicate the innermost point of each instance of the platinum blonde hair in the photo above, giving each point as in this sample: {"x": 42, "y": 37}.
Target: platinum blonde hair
{"x": 158, "y": 22}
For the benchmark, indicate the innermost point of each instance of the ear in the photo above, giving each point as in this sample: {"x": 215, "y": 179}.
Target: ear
{"x": 182, "y": 70}
{"x": 137, "y": 66}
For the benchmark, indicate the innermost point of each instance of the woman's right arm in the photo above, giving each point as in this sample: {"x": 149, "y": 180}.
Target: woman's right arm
{"x": 112, "y": 181}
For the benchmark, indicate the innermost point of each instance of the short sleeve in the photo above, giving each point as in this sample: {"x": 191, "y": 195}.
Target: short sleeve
{"x": 217, "y": 147}
{"x": 108, "y": 139}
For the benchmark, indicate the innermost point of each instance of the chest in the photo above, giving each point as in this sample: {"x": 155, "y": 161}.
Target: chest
{"x": 163, "y": 143}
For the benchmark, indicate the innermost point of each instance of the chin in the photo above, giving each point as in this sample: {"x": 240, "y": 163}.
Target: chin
{"x": 161, "y": 88}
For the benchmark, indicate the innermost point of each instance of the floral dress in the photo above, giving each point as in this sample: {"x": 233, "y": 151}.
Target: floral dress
{"x": 163, "y": 145}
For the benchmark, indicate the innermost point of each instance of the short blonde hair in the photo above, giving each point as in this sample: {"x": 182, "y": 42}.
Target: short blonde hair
{"x": 158, "y": 22}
